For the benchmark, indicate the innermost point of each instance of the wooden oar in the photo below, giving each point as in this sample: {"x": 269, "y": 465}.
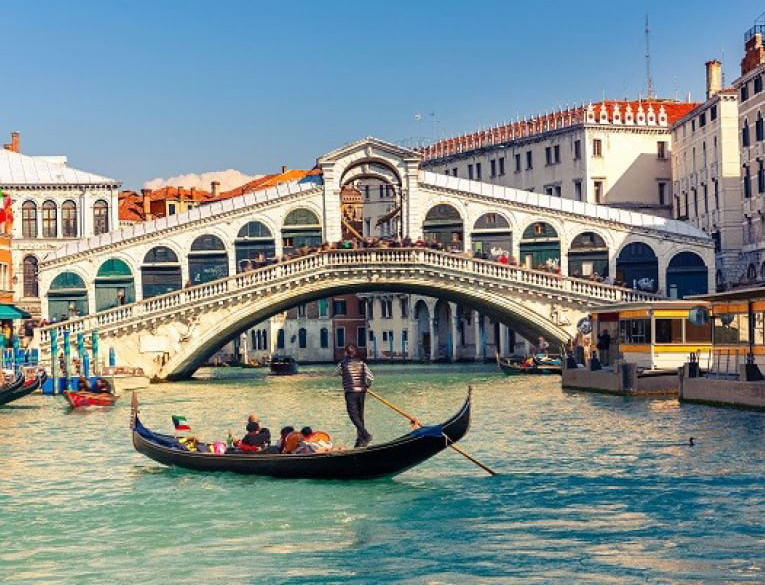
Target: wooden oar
{"x": 416, "y": 423}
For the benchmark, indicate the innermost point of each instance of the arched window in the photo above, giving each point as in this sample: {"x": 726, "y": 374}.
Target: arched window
{"x": 687, "y": 275}
{"x": 208, "y": 259}
{"x": 637, "y": 267}
{"x": 67, "y": 297}
{"x": 540, "y": 246}
{"x": 254, "y": 246}
{"x": 751, "y": 272}
{"x": 443, "y": 224}
{"x": 264, "y": 337}
{"x": 588, "y": 256}
{"x": 69, "y": 219}
{"x": 29, "y": 219}
{"x": 324, "y": 338}
{"x": 100, "y": 217}
{"x": 114, "y": 285}
{"x": 302, "y": 338}
{"x": 49, "y": 213}
{"x": 491, "y": 235}
{"x": 160, "y": 272}
{"x": 30, "y": 277}
{"x": 280, "y": 339}
{"x": 301, "y": 228}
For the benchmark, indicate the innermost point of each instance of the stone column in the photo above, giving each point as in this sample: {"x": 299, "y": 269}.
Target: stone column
{"x": 433, "y": 341}
{"x": 453, "y": 331}
{"x": 502, "y": 340}
{"x": 477, "y": 330}
{"x": 412, "y": 340}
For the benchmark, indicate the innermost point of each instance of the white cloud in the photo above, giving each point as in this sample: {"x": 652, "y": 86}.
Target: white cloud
{"x": 228, "y": 179}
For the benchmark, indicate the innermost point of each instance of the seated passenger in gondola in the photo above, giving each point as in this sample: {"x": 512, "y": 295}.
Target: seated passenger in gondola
{"x": 256, "y": 439}
{"x": 314, "y": 441}
{"x": 101, "y": 387}
{"x": 83, "y": 384}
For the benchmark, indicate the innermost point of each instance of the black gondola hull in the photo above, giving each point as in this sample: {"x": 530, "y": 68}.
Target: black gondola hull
{"x": 386, "y": 459}
{"x": 17, "y": 389}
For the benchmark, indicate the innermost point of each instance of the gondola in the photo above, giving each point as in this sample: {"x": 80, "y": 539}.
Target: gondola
{"x": 515, "y": 368}
{"x": 283, "y": 365}
{"x": 385, "y": 459}
{"x": 21, "y": 387}
{"x": 82, "y": 399}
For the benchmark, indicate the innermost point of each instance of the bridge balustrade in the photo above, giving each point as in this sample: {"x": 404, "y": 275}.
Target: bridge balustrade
{"x": 447, "y": 263}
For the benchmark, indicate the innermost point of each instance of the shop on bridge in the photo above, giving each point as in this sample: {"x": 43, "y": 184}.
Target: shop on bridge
{"x": 160, "y": 272}
{"x": 588, "y": 256}
{"x": 114, "y": 285}
{"x": 637, "y": 267}
{"x": 208, "y": 259}
{"x": 254, "y": 245}
{"x": 443, "y": 224}
{"x": 67, "y": 297}
{"x": 492, "y": 235}
{"x": 301, "y": 228}
{"x": 686, "y": 276}
{"x": 654, "y": 335}
{"x": 540, "y": 246}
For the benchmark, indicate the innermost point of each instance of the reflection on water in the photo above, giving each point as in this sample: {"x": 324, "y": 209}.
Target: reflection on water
{"x": 593, "y": 488}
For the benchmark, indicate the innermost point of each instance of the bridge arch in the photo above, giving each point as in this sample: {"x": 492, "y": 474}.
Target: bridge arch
{"x": 371, "y": 168}
{"x": 202, "y": 342}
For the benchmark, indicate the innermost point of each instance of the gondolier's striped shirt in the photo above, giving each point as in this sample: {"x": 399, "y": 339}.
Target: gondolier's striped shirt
{"x": 356, "y": 375}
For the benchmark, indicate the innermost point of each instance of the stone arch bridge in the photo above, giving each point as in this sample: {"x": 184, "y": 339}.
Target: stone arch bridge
{"x": 169, "y": 292}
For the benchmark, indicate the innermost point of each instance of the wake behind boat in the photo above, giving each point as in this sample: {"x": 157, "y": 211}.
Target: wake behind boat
{"x": 385, "y": 459}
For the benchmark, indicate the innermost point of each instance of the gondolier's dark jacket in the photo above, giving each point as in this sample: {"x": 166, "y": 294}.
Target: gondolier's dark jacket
{"x": 356, "y": 375}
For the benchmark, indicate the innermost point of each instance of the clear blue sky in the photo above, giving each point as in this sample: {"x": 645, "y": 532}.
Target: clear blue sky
{"x": 140, "y": 89}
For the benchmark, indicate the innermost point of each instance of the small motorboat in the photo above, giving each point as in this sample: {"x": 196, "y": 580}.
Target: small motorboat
{"x": 282, "y": 365}
{"x": 536, "y": 365}
{"x": 83, "y": 399}
{"x": 385, "y": 459}
{"x": 21, "y": 386}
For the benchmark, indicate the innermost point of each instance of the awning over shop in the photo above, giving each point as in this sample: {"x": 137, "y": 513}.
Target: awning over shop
{"x": 13, "y": 312}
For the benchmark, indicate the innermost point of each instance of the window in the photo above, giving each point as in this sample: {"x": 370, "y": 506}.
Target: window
{"x": 548, "y": 189}
{"x": 454, "y": 172}
{"x": 661, "y": 149}
{"x": 745, "y": 134}
{"x": 761, "y": 179}
{"x": 404, "y": 340}
{"x": 759, "y": 130}
{"x": 69, "y": 219}
{"x": 370, "y": 308}
{"x": 557, "y": 191}
{"x": 702, "y": 119}
{"x": 470, "y": 172}
{"x": 340, "y": 337}
{"x": 100, "y": 217}
{"x": 713, "y": 113}
{"x": 501, "y": 161}
{"x": 529, "y": 160}
{"x": 301, "y": 311}
{"x": 662, "y": 192}
{"x": 747, "y": 183}
{"x": 280, "y": 339}
{"x": 517, "y": 163}
{"x": 677, "y": 207}
{"x": 339, "y": 307}
{"x": 478, "y": 171}
{"x": 757, "y": 84}
{"x": 404, "y": 307}
{"x": 324, "y": 338}
{"x": 717, "y": 195}
{"x": 556, "y": 153}
{"x": 49, "y": 213}
{"x": 578, "y": 190}
{"x": 695, "y": 203}
{"x": 323, "y": 308}
{"x": 706, "y": 199}
{"x": 577, "y": 149}
{"x": 302, "y": 338}
{"x": 29, "y": 219}
{"x": 387, "y": 308}
{"x": 693, "y": 125}
{"x": 597, "y": 147}
{"x": 171, "y": 208}
{"x": 361, "y": 336}
{"x": 598, "y": 189}
{"x": 669, "y": 331}
{"x": 30, "y": 277}
{"x": 718, "y": 242}
{"x": 366, "y": 189}
{"x": 493, "y": 167}
{"x": 362, "y": 307}
{"x": 635, "y": 331}
{"x": 548, "y": 156}
{"x": 744, "y": 92}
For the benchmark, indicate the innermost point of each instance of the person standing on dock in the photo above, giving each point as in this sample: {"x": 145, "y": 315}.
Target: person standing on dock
{"x": 356, "y": 379}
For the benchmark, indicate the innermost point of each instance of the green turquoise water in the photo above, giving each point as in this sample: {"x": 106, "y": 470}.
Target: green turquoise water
{"x": 593, "y": 489}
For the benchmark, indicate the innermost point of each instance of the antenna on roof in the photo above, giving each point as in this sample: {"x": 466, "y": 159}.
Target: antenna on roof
{"x": 649, "y": 80}
{"x": 722, "y": 72}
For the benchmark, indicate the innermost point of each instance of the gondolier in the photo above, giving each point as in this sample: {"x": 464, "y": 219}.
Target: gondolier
{"x": 356, "y": 379}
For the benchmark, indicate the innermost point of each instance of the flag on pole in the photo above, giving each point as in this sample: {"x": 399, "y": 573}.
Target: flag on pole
{"x": 180, "y": 423}
{"x": 6, "y": 213}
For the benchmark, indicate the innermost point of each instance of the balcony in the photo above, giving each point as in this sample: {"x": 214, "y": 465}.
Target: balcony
{"x": 713, "y": 170}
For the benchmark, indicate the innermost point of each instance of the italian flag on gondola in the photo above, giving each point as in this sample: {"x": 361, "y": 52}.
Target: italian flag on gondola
{"x": 180, "y": 423}
{"x": 6, "y": 213}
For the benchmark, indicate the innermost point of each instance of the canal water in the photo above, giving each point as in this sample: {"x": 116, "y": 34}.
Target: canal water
{"x": 592, "y": 489}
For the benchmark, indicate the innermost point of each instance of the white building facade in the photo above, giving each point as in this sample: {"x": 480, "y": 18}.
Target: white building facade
{"x": 706, "y": 177}
{"x": 614, "y": 153}
{"x": 52, "y": 204}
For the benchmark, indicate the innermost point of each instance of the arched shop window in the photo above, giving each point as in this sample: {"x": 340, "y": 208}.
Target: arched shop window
{"x": 114, "y": 285}
{"x": 160, "y": 272}
{"x": 67, "y": 297}
{"x": 208, "y": 259}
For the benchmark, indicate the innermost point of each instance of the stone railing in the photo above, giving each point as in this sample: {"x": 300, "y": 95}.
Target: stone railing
{"x": 447, "y": 265}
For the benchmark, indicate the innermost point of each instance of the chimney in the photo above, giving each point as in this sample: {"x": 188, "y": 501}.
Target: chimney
{"x": 13, "y": 145}
{"x": 215, "y": 188}
{"x": 284, "y": 169}
{"x": 146, "y": 204}
{"x": 714, "y": 77}
{"x": 754, "y": 52}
